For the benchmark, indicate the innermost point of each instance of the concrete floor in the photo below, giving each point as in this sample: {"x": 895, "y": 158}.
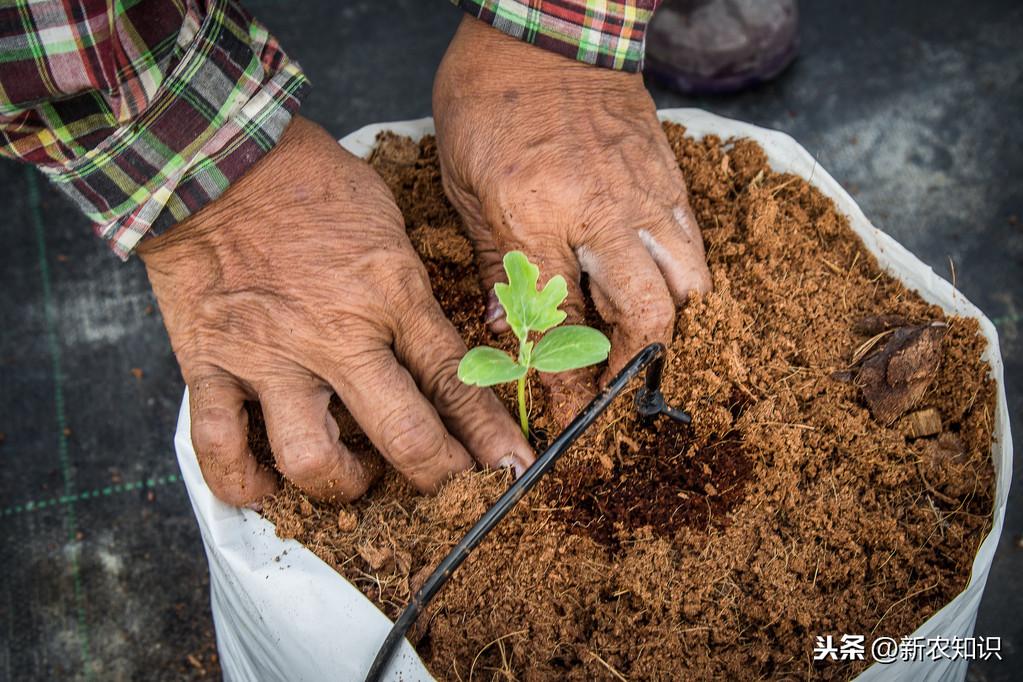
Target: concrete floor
{"x": 914, "y": 106}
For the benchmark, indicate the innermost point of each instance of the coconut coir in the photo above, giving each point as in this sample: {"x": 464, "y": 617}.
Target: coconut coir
{"x": 718, "y": 551}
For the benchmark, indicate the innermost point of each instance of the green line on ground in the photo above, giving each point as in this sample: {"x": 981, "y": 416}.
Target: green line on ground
{"x": 70, "y": 521}
{"x": 35, "y": 505}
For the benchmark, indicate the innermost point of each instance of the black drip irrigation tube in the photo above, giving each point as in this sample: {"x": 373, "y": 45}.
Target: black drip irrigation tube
{"x": 649, "y": 404}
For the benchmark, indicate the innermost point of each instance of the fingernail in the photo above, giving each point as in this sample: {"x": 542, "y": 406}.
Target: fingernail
{"x": 255, "y": 506}
{"x": 494, "y": 310}
{"x": 514, "y": 463}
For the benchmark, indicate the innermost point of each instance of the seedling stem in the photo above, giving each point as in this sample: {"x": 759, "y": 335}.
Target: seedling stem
{"x": 523, "y": 414}
{"x": 527, "y": 310}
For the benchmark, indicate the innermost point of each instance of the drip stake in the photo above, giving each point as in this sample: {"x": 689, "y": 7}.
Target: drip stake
{"x": 649, "y": 403}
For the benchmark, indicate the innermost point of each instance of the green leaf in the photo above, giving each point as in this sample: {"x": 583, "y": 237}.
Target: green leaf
{"x": 525, "y": 308}
{"x": 486, "y": 366}
{"x": 570, "y": 347}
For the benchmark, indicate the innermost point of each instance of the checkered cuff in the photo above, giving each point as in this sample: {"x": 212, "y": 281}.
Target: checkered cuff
{"x": 599, "y": 32}
{"x": 219, "y": 110}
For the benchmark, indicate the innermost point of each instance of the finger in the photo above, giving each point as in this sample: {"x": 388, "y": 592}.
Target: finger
{"x": 489, "y": 258}
{"x": 305, "y": 440}
{"x": 489, "y": 255}
{"x": 673, "y": 240}
{"x": 630, "y": 294}
{"x": 220, "y": 428}
{"x": 397, "y": 418}
{"x": 431, "y": 351}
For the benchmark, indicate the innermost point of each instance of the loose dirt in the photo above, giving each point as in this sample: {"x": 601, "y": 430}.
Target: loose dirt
{"x": 788, "y": 510}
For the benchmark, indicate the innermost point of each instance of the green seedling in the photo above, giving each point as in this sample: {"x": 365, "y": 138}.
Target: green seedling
{"x": 529, "y": 310}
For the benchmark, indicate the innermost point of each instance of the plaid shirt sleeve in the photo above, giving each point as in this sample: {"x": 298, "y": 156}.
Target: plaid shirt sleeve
{"x": 601, "y": 32}
{"x": 142, "y": 111}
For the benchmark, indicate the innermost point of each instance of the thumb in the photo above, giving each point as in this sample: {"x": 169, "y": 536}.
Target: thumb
{"x": 489, "y": 256}
{"x": 490, "y": 260}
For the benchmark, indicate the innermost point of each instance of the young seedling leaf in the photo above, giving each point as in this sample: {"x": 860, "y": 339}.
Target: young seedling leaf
{"x": 525, "y": 308}
{"x": 545, "y": 313}
{"x": 568, "y": 348}
{"x": 528, "y": 310}
{"x": 486, "y": 366}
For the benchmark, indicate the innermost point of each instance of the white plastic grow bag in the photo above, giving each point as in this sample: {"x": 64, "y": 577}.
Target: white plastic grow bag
{"x": 296, "y": 619}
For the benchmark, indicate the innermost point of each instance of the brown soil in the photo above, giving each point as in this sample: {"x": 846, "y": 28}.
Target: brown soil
{"x": 720, "y": 551}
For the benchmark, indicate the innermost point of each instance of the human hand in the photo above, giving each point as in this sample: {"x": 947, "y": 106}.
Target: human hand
{"x": 300, "y": 282}
{"x": 569, "y": 164}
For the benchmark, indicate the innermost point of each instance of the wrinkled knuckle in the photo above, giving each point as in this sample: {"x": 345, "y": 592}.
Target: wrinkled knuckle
{"x": 196, "y": 365}
{"x": 604, "y": 222}
{"x": 307, "y": 461}
{"x": 447, "y": 392}
{"x": 212, "y": 437}
{"x": 412, "y": 441}
{"x": 406, "y": 285}
{"x": 659, "y": 314}
{"x": 419, "y": 322}
{"x": 361, "y": 365}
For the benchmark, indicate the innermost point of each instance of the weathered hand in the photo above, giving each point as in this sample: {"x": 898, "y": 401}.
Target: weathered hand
{"x": 568, "y": 163}
{"x": 299, "y": 282}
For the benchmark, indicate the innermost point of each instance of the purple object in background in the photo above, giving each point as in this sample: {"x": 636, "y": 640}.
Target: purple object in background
{"x": 718, "y": 46}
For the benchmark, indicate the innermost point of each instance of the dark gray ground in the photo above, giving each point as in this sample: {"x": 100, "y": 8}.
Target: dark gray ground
{"x": 914, "y": 106}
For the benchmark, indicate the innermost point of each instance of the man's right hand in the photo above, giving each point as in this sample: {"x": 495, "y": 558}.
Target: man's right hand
{"x": 568, "y": 163}
{"x": 300, "y": 282}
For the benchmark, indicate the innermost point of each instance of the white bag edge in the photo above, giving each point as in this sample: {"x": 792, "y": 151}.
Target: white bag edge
{"x": 283, "y": 614}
